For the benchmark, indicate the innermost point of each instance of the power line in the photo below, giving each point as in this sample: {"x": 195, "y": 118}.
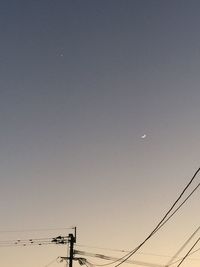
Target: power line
{"x": 105, "y": 257}
{"x": 177, "y": 209}
{"x": 188, "y": 253}
{"x": 183, "y": 246}
{"x": 96, "y": 247}
{"x": 51, "y": 262}
{"x": 191, "y": 253}
{"x": 35, "y": 230}
{"x": 34, "y": 242}
{"x": 127, "y": 251}
{"x": 160, "y": 224}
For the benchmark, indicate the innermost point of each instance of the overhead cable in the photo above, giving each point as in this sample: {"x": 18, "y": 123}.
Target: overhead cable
{"x": 182, "y": 247}
{"x": 34, "y": 242}
{"x": 188, "y": 253}
{"x": 51, "y": 262}
{"x": 161, "y": 223}
{"x": 35, "y": 230}
{"x": 105, "y": 257}
{"x": 191, "y": 253}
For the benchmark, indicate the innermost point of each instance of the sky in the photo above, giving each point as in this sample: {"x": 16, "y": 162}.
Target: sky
{"x": 81, "y": 83}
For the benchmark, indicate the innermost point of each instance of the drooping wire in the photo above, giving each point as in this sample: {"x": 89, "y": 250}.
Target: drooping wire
{"x": 25, "y": 242}
{"x": 35, "y": 230}
{"x": 188, "y": 253}
{"x": 96, "y": 247}
{"x": 177, "y": 209}
{"x": 34, "y": 242}
{"x": 161, "y": 223}
{"x": 191, "y": 253}
{"x": 124, "y": 250}
{"x": 51, "y": 262}
{"x": 101, "y": 256}
{"x": 88, "y": 263}
{"x": 182, "y": 247}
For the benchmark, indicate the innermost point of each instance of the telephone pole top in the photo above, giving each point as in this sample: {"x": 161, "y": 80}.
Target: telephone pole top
{"x": 72, "y": 240}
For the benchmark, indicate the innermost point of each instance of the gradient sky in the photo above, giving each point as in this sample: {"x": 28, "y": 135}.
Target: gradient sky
{"x": 81, "y": 82}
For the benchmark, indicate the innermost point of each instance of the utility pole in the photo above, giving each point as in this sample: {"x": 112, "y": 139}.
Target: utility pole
{"x": 72, "y": 240}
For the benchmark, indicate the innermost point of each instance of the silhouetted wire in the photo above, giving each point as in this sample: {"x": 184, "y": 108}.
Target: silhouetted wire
{"x": 35, "y": 230}
{"x": 188, "y": 253}
{"x": 155, "y": 230}
{"x": 123, "y": 250}
{"x": 165, "y": 219}
{"x": 142, "y": 263}
{"x": 106, "y": 264}
{"x": 88, "y": 263}
{"x": 96, "y": 255}
{"x": 25, "y": 245}
{"x": 183, "y": 246}
{"x": 32, "y": 242}
{"x": 51, "y": 262}
{"x": 175, "y": 211}
{"x": 25, "y": 240}
{"x": 96, "y": 247}
{"x": 160, "y": 224}
{"x": 191, "y": 253}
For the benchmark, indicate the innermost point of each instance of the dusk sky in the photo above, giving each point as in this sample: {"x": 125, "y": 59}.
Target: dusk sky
{"x": 100, "y": 124}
